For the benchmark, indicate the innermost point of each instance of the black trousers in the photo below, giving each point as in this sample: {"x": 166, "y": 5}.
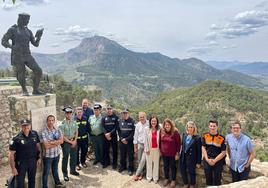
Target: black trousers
{"x": 236, "y": 176}
{"x": 213, "y": 173}
{"x": 188, "y": 177}
{"x": 24, "y": 166}
{"x": 170, "y": 163}
{"x": 127, "y": 150}
{"x": 106, "y": 150}
{"x": 82, "y": 147}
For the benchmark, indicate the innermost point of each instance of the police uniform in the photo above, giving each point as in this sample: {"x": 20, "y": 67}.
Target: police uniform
{"x": 214, "y": 145}
{"x": 26, "y": 156}
{"x": 82, "y": 140}
{"x": 126, "y": 129}
{"x": 110, "y": 124}
{"x": 69, "y": 129}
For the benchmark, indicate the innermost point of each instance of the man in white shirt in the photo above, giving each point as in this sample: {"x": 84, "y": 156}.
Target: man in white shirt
{"x": 139, "y": 144}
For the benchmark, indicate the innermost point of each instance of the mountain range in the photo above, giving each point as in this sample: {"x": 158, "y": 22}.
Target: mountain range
{"x": 130, "y": 77}
{"x": 253, "y": 68}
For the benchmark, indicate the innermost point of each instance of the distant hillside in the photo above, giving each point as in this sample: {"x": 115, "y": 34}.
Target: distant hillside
{"x": 130, "y": 77}
{"x": 258, "y": 68}
{"x": 254, "y": 68}
{"x": 225, "y": 64}
{"x": 213, "y": 99}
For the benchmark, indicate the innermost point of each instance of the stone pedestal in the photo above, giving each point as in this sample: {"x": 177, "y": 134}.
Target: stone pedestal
{"x": 35, "y": 108}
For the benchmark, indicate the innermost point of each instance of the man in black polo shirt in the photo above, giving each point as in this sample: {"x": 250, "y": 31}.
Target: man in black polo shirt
{"x": 126, "y": 129}
{"x": 25, "y": 154}
{"x": 110, "y": 124}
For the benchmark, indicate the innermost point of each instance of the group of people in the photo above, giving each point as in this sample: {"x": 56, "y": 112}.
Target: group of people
{"x": 147, "y": 139}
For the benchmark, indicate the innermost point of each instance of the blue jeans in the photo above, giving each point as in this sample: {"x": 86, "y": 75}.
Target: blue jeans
{"x": 53, "y": 163}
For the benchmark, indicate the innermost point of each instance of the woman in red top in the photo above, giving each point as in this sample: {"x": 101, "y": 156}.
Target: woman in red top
{"x": 170, "y": 144}
{"x": 151, "y": 147}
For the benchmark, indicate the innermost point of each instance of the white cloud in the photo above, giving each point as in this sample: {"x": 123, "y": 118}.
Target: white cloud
{"x": 38, "y": 26}
{"x": 55, "y": 45}
{"x": 74, "y": 33}
{"x": 242, "y": 24}
{"x": 8, "y": 6}
{"x": 35, "y": 2}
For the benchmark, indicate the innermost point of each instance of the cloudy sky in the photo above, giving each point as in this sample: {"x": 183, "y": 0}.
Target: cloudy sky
{"x": 223, "y": 30}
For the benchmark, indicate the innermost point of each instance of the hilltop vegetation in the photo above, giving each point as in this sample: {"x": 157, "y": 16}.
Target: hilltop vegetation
{"x": 213, "y": 99}
{"x": 216, "y": 100}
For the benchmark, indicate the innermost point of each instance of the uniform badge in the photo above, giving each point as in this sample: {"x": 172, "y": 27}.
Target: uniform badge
{"x": 22, "y": 141}
{"x": 106, "y": 119}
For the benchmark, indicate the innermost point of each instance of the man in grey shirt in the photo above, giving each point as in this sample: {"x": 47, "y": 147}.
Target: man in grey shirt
{"x": 241, "y": 152}
{"x": 139, "y": 144}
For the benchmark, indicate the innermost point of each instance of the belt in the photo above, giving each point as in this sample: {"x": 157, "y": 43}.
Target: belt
{"x": 82, "y": 137}
{"x": 97, "y": 135}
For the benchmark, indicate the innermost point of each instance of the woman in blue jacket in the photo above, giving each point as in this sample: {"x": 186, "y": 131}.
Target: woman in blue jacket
{"x": 191, "y": 153}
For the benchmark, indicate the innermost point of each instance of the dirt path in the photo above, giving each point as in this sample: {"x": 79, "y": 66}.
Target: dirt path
{"x": 94, "y": 176}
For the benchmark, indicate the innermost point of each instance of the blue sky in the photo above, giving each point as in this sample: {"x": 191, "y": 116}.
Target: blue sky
{"x": 223, "y": 30}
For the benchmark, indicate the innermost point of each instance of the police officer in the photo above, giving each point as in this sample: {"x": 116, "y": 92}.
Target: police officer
{"x": 126, "y": 129}
{"x": 25, "y": 154}
{"x": 82, "y": 139}
{"x": 110, "y": 124}
{"x": 69, "y": 147}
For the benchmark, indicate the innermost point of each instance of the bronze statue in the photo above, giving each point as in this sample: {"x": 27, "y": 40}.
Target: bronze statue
{"x": 21, "y": 36}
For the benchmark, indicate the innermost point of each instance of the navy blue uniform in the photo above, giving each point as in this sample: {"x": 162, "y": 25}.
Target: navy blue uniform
{"x": 126, "y": 130}
{"x": 110, "y": 125}
{"x": 82, "y": 139}
{"x": 87, "y": 112}
{"x": 26, "y": 157}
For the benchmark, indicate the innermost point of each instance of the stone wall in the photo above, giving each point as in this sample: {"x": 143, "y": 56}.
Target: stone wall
{"x": 7, "y": 130}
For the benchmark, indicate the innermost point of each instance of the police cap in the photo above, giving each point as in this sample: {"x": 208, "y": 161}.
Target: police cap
{"x": 97, "y": 106}
{"x": 67, "y": 109}
{"x": 25, "y": 122}
{"x": 126, "y": 110}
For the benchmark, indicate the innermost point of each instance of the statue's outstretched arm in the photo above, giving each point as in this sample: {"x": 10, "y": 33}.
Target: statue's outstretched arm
{"x": 36, "y": 39}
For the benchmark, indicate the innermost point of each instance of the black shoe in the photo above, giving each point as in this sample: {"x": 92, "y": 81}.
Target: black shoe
{"x": 75, "y": 173}
{"x": 66, "y": 178}
{"x": 36, "y": 92}
{"x": 120, "y": 170}
{"x": 95, "y": 162}
{"x": 104, "y": 166}
{"x": 130, "y": 173}
{"x": 25, "y": 93}
{"x": 114, "y": 167}
{"x": 59, "y": 185}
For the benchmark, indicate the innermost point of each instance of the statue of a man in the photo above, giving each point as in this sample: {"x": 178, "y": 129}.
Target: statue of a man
{"x": 21, "y": 36}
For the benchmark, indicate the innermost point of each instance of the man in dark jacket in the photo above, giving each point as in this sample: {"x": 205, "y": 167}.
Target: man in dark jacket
{"x": 110, "y": 124}
{"x": 126, "y": 130}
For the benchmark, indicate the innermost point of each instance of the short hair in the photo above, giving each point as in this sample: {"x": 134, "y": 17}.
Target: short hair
{"x": 49, "y": 116}
{"x": 142, "y": 113}
{"x": 213, "y": 121}
{"x": 193, "y": 124}
{"x": 157, "y": 122}
{"x": 79, "y": 108}
{"x": 236, "y": 122}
